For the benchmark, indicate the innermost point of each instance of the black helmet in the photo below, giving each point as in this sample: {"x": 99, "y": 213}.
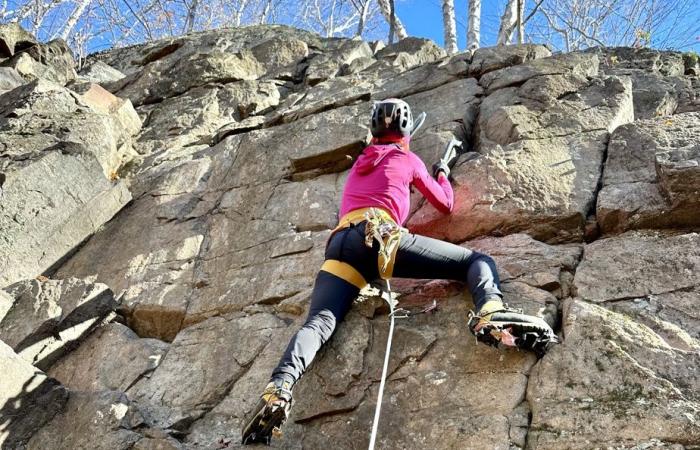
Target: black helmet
{"x": 391, "y": 114}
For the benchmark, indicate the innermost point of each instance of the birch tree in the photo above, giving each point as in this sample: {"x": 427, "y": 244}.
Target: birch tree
{"x": 385, "y": 6}
{"x": 474, "y": 25}
{"x": 509, "y": 20}
{"x": 450, "y": 26}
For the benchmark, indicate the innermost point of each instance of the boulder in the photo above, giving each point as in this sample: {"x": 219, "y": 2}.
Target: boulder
{"x": 14, "y": 39}
{"x": 49, "y": 318}
{"x": 50, "y": 206}
{"x": 52, "y": 61}
{"x": 42, "y": 116}
{"x": 689, "y": 96}
{"x": 102, "y": 101}
{"x": 410, "y": 52}
{"x": 652, "y": 175}
{"x": 99, "y": 420}
{"x": 28, "y": 399}
{"x": 666, "y": 63}
{"x": 111, "y": 358}
{"x": 197, "y": 115}
{"x": 162, "y": 79}
{"x": 488, "y": 59}
{"x": 614, "y": 382}
{"x": 9, "y": 79}
{"x": 100, "y": 73}
{"x": 576, "y": 64}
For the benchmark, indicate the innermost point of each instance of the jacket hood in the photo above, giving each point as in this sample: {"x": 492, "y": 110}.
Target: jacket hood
{"x": 373, "y": 155}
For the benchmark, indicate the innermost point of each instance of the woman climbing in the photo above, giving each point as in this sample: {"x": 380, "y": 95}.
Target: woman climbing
{"x": 369, "y": 243}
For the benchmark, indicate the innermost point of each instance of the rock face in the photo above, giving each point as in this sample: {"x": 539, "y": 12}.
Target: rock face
{"x": 198, "y": 179}
{"x": 48, "y": 318}
{"x": 28, "y": 397}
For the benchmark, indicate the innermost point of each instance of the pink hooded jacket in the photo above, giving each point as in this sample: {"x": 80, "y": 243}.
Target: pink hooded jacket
{"x": 382, "y": 176}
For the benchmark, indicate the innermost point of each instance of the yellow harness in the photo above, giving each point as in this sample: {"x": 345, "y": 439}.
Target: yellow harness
{"x": 380, "y": 227}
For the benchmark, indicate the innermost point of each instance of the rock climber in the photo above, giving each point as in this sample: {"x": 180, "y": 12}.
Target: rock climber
{"x": 369, "y": 243}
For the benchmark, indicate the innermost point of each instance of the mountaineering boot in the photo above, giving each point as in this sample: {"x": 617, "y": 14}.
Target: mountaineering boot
{"x": 496, "y": 323}
{"x": 269, "y": 414}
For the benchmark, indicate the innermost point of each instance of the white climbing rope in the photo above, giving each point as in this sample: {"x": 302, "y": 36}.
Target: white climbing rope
{"x": 375, "y": 426}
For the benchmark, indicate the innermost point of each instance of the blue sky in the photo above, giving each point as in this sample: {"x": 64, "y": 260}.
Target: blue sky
{"x": 424, "y": 18}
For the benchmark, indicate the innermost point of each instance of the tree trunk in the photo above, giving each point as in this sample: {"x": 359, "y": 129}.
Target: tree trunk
{"x": 265, "y": 12}
{"x": 191, "y": 15}
{"x": 385, "y": 8}
{"x": 521, "y": 25}
{"x": 238, "y": 13}
{"x": 73, "y": 19}
{"x": 474, "y": 29}
{"x": 364, "y": 12}
{"x": 508, "y": 23}
{"x": 450, "y": 26}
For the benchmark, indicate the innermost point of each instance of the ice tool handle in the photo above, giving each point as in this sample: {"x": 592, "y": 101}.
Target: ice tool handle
{"x": 418, "y": 123}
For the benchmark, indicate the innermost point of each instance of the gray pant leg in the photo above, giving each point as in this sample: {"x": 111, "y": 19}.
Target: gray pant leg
{"x": 424, "y": 257}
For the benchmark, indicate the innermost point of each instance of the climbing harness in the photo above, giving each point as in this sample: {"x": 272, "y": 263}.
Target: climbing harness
{"x": 381, "y": 228}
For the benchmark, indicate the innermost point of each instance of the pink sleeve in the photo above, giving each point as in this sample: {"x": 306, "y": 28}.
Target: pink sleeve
{"x": 438, "y": 193}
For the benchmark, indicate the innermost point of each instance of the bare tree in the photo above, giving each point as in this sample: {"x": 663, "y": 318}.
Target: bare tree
{"x": 363, "y": 9}
{"x": 509, "y": 20}
{"x": 575, "y": 24}
{"x": 74, "y": 17}
{"x": 387, "y": 9}
{"x": 474, "y": 27}
{"x": 450, "y": 26}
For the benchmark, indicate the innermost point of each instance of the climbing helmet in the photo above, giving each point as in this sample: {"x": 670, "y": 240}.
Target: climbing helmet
{"x": 390, "y": 115}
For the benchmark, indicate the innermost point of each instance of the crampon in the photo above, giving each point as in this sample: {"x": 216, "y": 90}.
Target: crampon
{"x": 511, "y": 328}
{"x": 268, "y": 416}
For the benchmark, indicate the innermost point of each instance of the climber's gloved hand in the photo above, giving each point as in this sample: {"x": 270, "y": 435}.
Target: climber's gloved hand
{"x": 441, "y": 166}
{"x": 449, "y": 156}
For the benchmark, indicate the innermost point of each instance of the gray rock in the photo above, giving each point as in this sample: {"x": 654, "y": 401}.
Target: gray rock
{"x": 666, "y": 63}
{"x": 167, "y": 78}
{"x": 99, "y": 72}
{"x": 280, "y": 55}
{"x": 523, "y": 259}
{"x": 608, "y": 370}
{"x": 50, "y": 318}
{"x": 111, "y": 358}
{"x": 201, "y": 366}
{"x": 488, "y": 59}
{"x": 49, "y": 207}
{"x": 689, "y": 96}
{"x": 577, "y": 64}
{"x": 13, "y": 39}
{"x": 323, "y": 66}
{"x": 28, "y": 399}
{"x": 637, "y": 264}
{"x": 650, "y": 178}
{"x": 9, "y": 79}
{"x": 101, "y": 101}
{"x": 52, "y": 61}
{"x": 198, "y": 114}
{"x": 99, "y": 420}
{"x": 41, "y": 117}
{"x": 541, "y": 152}
{"x": 410, "y": 52}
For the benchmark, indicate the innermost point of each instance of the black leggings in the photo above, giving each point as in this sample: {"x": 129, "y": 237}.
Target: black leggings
{"x": 417, "y": 257}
